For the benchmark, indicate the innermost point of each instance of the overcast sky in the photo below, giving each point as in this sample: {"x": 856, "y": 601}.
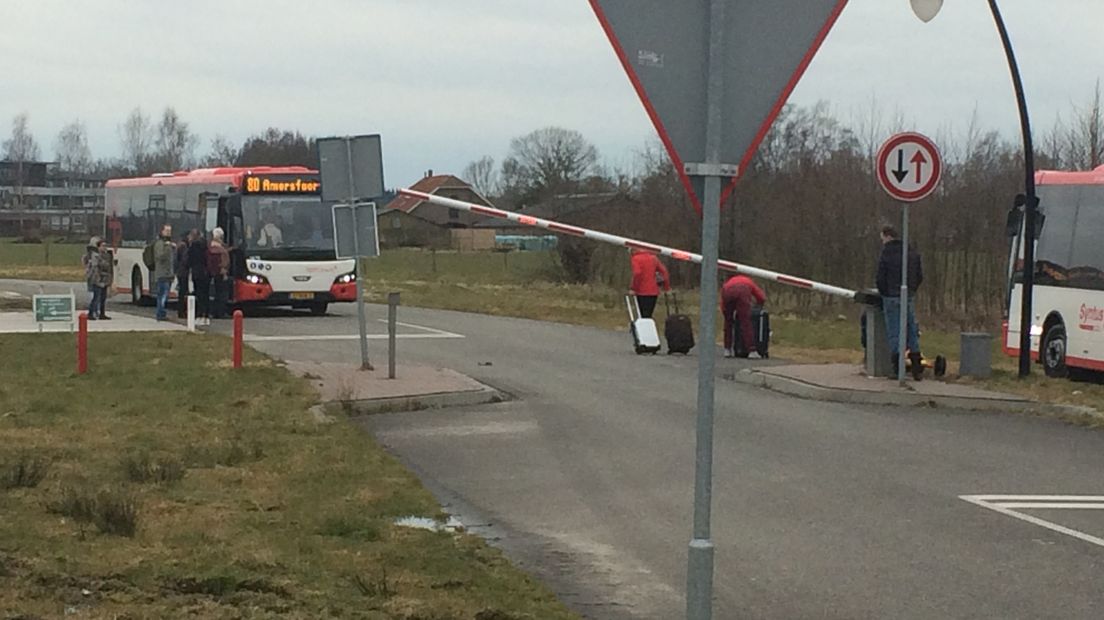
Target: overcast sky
{"x": 447, "y": 81}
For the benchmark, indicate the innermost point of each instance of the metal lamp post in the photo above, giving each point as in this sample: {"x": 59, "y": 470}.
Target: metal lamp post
{"x": 927, "y": 10}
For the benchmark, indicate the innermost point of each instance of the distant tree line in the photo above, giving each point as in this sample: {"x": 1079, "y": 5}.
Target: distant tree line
{"x": 147, "y": 146}
{"x": 810, "y": 205}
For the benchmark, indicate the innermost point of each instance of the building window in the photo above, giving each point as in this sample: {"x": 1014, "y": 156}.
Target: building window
{"x": 396, "y": 222}
{"x": 454, "y": 215}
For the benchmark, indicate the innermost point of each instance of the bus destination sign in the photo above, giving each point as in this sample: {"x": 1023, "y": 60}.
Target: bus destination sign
{"x": 282, "y": 184}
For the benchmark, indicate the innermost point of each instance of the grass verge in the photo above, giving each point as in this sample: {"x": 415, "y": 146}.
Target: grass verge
{"x": 161, "y": 484}
{"x": 41, "y": 261}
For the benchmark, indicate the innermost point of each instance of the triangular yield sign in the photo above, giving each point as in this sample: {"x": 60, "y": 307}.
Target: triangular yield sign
{"x": 663, "y": 46}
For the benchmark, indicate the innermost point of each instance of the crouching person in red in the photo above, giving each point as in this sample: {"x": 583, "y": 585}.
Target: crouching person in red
{"x": 738, "y": 295}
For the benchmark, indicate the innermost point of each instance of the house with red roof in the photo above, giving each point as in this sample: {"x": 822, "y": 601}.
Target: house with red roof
{"x": 408, "y": 221}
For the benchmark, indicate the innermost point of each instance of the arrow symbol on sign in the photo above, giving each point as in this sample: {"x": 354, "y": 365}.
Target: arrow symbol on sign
{"x": 900, "y": 172}
{"x": 919, "y": 160}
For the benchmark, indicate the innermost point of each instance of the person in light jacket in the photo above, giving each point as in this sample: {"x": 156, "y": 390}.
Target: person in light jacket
{"x": 101, "y": 274}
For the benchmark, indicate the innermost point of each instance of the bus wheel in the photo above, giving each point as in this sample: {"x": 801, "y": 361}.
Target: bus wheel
{"x": 1054, "y": 352}
{"x": 136, "y": 287}
{"x": 319, "y": 309}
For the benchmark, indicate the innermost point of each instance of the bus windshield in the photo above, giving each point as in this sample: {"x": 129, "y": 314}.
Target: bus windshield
{"x": 287, "y": 228}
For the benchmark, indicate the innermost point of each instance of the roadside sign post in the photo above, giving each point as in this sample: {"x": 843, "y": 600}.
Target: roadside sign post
{"x": 54, "y": 309}
{"x": 711, "y": 123}
{"x": 346, "y": 164}
{"x": 909, "y": 168}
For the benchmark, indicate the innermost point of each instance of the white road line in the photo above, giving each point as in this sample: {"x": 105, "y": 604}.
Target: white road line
{"x": 424, "y": 328}
{"x": 1051, "y": 505}
{"x": 982, "y": 500}
{"x": 1040, "y": 498}
{"x": 443, "y": 336}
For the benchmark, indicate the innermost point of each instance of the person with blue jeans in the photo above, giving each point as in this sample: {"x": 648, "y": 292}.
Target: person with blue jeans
{"x": 889, "y": 286}
{"x": 164, "y": 255}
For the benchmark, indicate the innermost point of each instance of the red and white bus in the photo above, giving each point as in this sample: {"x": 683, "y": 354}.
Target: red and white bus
{"x": 1068, "y": 300}
{"x": 279, "y": 232}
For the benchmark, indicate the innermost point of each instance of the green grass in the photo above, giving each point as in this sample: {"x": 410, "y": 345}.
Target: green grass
{"x": 165, "y": 484}
{"x": 41, "y": 261}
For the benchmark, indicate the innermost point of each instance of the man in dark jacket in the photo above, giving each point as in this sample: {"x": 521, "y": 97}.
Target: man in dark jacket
{"x": 201, "y": 280}
{"x": 889, "y": 285}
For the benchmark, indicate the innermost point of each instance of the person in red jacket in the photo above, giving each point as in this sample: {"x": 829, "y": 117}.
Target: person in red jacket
{"x": 738, "y": 295}
{"x": 648, "y": 272}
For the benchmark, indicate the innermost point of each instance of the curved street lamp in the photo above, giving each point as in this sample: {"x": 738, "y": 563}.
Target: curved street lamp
{"x": 927, "y": 10}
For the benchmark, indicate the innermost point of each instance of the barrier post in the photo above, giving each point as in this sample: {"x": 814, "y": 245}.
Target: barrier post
{"x": 238, "y": 320}
{"x": 191, "y": 313}
{"x": 392, "y": 312}
{"x": 82, "y": 343}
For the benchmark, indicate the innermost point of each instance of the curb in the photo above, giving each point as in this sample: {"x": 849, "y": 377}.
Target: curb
{"x": 402, "y": 404}
{"x": 812, "y": 391}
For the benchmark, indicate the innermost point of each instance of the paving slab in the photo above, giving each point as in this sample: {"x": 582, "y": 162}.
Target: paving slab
{"x": 414, "y": 387}
{"x": 22, "y": 322}
{"x": 847, "y": 383}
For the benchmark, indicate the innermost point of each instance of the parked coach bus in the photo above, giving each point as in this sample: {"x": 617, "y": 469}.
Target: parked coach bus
{"x": 1068, "y": 302}
{"x": 279, "y": 233}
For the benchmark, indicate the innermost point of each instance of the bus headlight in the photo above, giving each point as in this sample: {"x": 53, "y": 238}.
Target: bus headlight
{"x": 253, "y": 278}
{"x": 347, "y": 278}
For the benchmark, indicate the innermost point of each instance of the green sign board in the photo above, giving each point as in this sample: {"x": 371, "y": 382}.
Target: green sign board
{"x": 54, "y": 308}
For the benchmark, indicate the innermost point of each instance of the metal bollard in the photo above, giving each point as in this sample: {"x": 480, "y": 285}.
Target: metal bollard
{"x": 238, "y": 328}
{"x": 392, "y": 318}
{"x": 82, "y": 343}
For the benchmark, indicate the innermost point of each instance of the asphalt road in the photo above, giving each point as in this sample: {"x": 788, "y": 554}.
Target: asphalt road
{"x": 820, "y": 510}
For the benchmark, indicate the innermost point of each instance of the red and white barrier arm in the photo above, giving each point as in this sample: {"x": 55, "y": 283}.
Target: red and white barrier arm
{"x": 587, "y": 233}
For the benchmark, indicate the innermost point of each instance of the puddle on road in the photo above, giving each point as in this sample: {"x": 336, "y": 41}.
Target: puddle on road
{"x": 433, "y": 525}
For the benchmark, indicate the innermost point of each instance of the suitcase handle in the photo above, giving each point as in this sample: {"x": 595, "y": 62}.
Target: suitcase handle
{"x": 631, "y": 303}
{"x": 667, "y": 303}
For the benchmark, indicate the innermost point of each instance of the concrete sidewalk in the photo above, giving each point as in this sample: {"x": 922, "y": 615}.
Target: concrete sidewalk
{"x": 846, "y": 383}
{"x": 22, "y": 322}
{"x": 413, "y": 388}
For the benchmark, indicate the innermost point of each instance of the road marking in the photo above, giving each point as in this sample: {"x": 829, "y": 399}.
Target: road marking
{"x": 1005, "y": 504}
{"x": 430, "y": 330}
{"x": 430, "y": 334}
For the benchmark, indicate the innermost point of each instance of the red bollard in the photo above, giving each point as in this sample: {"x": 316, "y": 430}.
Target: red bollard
{"x": 82, "y": 343}
{"x": 238, "y": 338}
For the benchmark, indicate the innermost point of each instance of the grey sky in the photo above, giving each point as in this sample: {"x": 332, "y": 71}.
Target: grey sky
{"x": 446, "y": 82}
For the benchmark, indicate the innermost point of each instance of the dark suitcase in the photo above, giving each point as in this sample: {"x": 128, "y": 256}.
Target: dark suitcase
{"x": 677, "y": 329}
{"x": 760, "y": 326}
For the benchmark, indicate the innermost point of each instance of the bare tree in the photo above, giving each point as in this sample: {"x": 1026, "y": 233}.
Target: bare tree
{"x": 74, "y": 158}
{"x": 21, "y": 148}
{"x": 482, "y": 175}
{"x": 71, "y": 147}
{"x": 546, "y": 162}
{"x": 1085, "y": 138}
{"x": 221, "y": 153}
{"x": 174, "y": 143}
{"x": 136, "y": 136}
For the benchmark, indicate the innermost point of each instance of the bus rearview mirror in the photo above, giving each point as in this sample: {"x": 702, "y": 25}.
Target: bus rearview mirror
{"x": 1015, "y": 222}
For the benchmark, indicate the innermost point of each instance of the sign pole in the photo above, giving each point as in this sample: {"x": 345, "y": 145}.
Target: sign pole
{"x": 902, "y": 316}
{"x": 361, "y": 323}
{"x": 699, "y": 570}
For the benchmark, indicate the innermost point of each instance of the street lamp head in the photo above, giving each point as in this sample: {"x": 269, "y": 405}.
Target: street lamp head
{"x": 926, "y": 9}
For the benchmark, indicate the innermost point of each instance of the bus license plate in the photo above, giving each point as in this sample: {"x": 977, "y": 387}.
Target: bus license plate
{"x": 302, "y": 295}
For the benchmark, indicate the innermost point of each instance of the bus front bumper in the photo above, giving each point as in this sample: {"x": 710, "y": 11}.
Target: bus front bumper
{"x": 262, "y": 294}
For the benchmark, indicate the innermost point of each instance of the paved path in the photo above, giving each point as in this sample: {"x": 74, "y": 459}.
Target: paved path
{"x": 821, "y": 510}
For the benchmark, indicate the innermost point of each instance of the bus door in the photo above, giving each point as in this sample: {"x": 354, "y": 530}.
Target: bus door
{"x": 209, "y": 206}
